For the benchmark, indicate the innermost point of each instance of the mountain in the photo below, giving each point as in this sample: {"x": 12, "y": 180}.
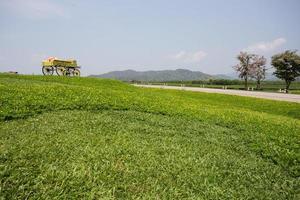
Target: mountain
{"x": 229, "y": 76}
{"x": 164, "y": 75}
{"x": 171, "y": 75}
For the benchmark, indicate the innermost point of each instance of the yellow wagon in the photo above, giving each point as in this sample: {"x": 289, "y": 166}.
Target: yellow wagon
{"x": 61, "y": 67}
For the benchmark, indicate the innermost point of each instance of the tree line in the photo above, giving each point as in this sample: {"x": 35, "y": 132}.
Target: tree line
{"x": 286, "y": 65}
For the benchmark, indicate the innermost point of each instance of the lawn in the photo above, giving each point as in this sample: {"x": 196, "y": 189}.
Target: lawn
{"x": 266, "y": 86}
{"x": 88, "y": 138}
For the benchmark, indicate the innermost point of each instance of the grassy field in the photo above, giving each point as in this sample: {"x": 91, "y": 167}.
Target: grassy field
{"x": 266, "y": 86}
{"x": 85, "y": 138}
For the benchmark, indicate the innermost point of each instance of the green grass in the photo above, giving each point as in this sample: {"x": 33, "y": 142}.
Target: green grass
{"x": 86, "y": 138}
{"x": 295, "y": 92}
{"x": 266, "y": 86}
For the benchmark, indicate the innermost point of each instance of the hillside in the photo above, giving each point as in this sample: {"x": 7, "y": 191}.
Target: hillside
{"x": 90, "y": 138}
{"x": 164, "y": 75}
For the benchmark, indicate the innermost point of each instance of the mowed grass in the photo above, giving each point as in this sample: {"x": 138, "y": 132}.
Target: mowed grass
{"x": 266, "y": 86}
{"x": 87, "y": 138}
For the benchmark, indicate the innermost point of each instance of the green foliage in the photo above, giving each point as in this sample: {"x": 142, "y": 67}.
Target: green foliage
{"x": 218, "y": 82}
{"x": 273, "y": 86}
{"x": 287, "y": 66}
{"x": 88, "y": 138}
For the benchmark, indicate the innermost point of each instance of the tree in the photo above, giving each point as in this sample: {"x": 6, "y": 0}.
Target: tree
{"x": 287, "y": 66}
{"x": 258, "y": 69}
{"x": 244, "y": 68}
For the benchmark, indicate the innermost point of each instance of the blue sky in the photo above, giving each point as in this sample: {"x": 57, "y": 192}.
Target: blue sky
{"x": 106, "y": 35}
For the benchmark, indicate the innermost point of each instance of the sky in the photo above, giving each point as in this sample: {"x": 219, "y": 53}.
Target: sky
{"x": 107, "y": 35}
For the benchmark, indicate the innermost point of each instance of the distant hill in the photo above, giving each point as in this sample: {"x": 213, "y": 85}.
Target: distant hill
{"x": 230, "y": 76}
{"x": 164, "y": 75}
{"x": 171, "y": 75}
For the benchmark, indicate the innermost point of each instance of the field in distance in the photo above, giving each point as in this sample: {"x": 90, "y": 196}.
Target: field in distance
{"x": 90, "y": 138}
{"x": 266, "y": 86}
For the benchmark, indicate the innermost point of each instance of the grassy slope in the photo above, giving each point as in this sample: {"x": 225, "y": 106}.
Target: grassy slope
{"x": 107, "y": 139}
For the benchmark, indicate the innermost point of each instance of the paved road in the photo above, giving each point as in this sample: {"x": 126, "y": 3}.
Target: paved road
{"x": 263, "y": 95}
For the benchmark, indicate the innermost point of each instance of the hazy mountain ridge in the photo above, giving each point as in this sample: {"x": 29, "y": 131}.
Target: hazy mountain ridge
{"x": 170, "y": 75}
{"x": 163, "y": 75}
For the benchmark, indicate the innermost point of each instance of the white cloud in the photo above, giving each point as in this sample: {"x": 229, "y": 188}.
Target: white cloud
{"x": 189, "y": 57}
{"x": 36, "y": 9}
{"x": 266, "y": 46}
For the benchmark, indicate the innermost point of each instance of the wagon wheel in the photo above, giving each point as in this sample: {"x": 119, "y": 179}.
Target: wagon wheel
{"x": 76, "y": 72}
{"x": 67, "y": 72}
{"x": 47, "y": 70}
{"x": 60, "y": 70}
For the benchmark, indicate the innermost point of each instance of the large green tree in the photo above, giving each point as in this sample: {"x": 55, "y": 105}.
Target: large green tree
{"x": 287, "y": 66}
